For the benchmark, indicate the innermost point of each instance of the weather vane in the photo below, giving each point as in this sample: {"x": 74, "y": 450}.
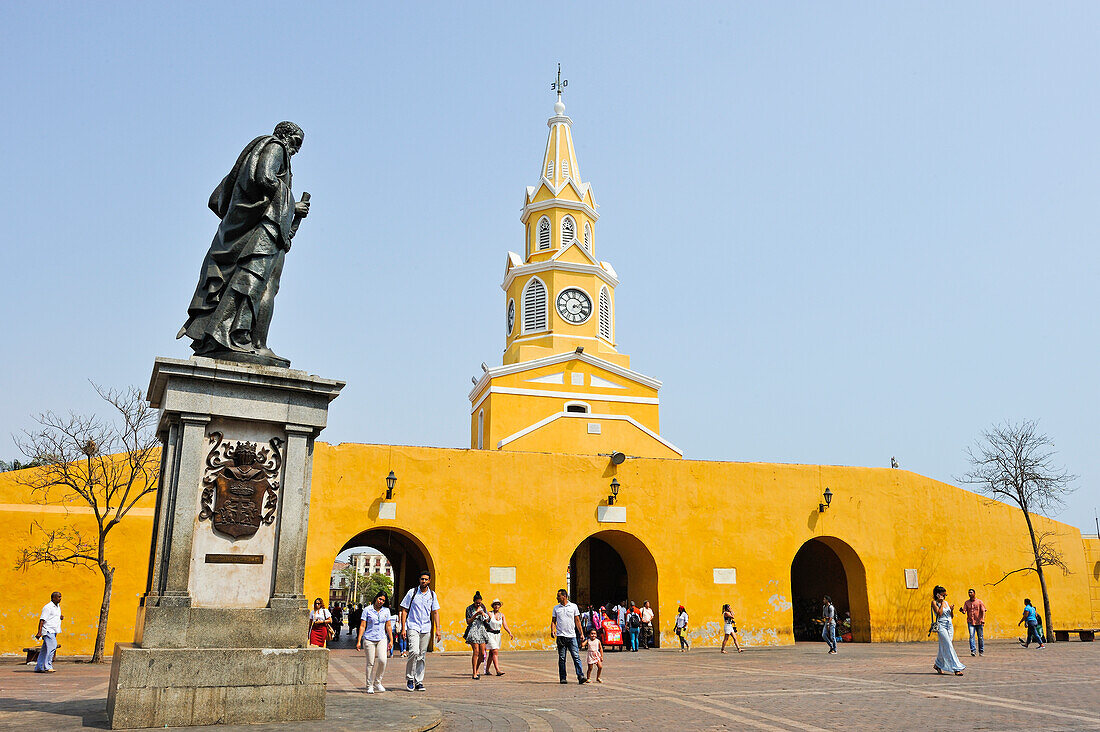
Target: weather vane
{"x": 559, "y": 85}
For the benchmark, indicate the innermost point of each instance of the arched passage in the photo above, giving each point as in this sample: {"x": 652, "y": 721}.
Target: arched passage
{"x": 406, "y": 554}
{"x": 611, "y": 566}
{"x": 828, "y": 566}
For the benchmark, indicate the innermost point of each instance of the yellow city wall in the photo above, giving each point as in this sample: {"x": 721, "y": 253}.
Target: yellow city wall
{"x": 472, "y": 509}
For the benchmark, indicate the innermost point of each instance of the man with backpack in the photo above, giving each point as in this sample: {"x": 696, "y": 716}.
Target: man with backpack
{"x": 419, "y": 612}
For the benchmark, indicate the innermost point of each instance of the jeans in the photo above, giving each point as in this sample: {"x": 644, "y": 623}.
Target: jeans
{"x": 418, "y": 646}
{"x": 828, "y": 634}
{"x": 683, "y": 639}
{"x": 633, "y": 638}
{"x": 979, "y": 631}
{"x": 45, "y": 654}
{"x": 568, "y": 642}
{"x": 1033, "y": 633}
{"x": 376, "y": 661}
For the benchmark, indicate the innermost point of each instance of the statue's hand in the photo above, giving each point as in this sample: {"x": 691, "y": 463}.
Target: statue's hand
{"x": 301, "y": 209}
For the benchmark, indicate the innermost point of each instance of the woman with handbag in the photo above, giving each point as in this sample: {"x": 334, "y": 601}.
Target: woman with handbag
{"x": 320, "y": 624}
{"x": 729, "y": 628}
{"x": 946, "y": 660}
{"x": 477, "y": 633}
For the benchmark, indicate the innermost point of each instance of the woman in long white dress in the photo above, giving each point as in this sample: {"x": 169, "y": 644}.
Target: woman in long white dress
{"x": 946, "y": 660}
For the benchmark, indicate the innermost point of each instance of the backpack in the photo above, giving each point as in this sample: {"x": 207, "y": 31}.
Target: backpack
{"x": 633, "y": 620}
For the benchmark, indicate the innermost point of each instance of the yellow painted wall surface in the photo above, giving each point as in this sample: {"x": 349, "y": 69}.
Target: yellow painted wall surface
{"x": 473, "y": 509}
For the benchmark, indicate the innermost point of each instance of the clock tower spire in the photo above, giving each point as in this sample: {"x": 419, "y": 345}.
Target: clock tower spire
{"x": 561, "y": 365}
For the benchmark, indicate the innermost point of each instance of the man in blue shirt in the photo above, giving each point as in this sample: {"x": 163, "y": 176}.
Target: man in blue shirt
{"x": 419, "y": 612}
{"x": 1032, "y": 619}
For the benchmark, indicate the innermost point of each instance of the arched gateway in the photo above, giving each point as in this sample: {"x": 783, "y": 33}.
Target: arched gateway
{"x": 405, "y": 553}
{"x": 611, "y": 566}
{"x": 828, "y": 566}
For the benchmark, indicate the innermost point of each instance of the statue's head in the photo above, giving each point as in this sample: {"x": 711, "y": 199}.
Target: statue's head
{"x": 244, "y": 454}
{"x": 291, "y": 134}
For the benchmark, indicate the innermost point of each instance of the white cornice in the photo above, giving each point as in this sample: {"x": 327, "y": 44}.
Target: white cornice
{"x": 575, "y": 243}
{"x": 550, "y": 265}
{"x": 532, "y": 208}
{"x": 515, "y": 368}
{"x": 589, "y": 417}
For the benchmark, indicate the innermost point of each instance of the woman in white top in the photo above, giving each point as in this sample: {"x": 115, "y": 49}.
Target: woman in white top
{"x": 681, "y": 628}
{"x": 495, "y": 624}
{"x": 320, "y": 621}
{"x": 376, "y": 628}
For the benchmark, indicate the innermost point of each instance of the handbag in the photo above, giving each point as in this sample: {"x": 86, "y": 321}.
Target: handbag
{"x": 331, "y": 632}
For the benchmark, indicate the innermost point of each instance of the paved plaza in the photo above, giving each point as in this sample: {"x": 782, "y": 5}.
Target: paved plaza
{"x": 865, "y": 686}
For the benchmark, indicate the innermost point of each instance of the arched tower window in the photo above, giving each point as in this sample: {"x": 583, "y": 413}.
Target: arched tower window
{"x": 605, "y": 313}
{"x": 481, "y": 430}
{"x": 550, "y": 170}
{"x": 534, "y": 306}
{"x": 544, "y": 233}
{"x": 587, "y": 236}
{"x": 577, "y": 407}
{"x": 564, "y": 167}
{"x": 568, "y": 231}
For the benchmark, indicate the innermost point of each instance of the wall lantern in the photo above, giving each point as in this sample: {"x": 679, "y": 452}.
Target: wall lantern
{"x": 391, "y": 481}
{"x": 828, "y": 495}
{"x": 614, "y": 492}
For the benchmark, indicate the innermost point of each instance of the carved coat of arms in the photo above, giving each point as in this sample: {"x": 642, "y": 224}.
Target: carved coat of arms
{"x": 240, "y": 487}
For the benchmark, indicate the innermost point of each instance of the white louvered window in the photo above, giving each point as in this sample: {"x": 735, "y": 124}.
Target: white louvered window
{"x": 568, "y": 231}
{"x": 587, "y": 236}
{"x": 550, "y": 169}
{"x": 544, "y": 233}
{"x": 534, "y": 306}
{"x": 564, "y": 168}
{"x": 605, "y": 314}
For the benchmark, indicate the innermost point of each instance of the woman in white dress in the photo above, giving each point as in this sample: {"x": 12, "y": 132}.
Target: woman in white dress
{"x": 494, "y": 625}
{"x": 946, "y": 660}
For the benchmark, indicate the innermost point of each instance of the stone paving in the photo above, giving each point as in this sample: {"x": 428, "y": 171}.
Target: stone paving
{"x": 863, "y": 687}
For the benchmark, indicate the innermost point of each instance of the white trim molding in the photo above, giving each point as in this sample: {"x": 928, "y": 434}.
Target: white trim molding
{"x": 533, "y": 208}
{"x": 557, "y": 358}
{"x": 518, "y": 391}
{"x": 558, "y": 265}
{"x": 588, "y": 417}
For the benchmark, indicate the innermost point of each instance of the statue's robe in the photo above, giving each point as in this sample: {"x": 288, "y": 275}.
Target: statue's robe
{"x": 231, "y": 309}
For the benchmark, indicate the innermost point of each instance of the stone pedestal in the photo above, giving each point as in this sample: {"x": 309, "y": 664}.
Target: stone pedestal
{"x": 222, "y": 628}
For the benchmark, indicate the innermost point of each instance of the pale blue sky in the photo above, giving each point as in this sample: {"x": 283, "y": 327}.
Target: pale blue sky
{"x": 844, "y": 231}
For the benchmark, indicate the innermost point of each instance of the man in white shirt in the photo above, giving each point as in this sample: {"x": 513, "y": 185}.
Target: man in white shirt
{"x": 647, "y": 624}
{"x": 419, "y": 611}
{"x": 565, "y": 626}
{"x": 49, "y": 625}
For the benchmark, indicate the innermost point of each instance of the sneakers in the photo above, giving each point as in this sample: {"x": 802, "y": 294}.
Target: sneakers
{"x": 972, "y": 653}
{"x": 370, "y": 689}
{"x": 582, "y": 680}
{"x": 563, "y": 681}
{"x": 410, "y": 684}
{"x": 420, "y": 687}
{"x": 1041, "y": 647}
{"x": 378, "y": 687}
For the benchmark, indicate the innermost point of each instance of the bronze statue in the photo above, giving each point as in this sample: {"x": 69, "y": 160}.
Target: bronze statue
{"x": 230, "y": 314}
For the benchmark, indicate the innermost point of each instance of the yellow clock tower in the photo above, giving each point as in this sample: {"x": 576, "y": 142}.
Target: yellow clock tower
{"x": 563, "y": 385}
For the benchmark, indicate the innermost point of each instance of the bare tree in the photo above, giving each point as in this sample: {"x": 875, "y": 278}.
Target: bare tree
{"x": 1015, "y": 463}
{"x": 109, "y": 465}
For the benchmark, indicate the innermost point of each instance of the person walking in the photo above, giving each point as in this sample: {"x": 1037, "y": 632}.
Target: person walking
{"x": 633, "y": 627}
{"x": 946, "y": 660}
{"x": 477, "y": 633}
{"x": 337, "y": 620}
{"x": 376, "y": 631}
{"x": 565, "y": 626}
{"x": 495, "y": 623}
{"x": 49, "y": 625}
{"x": 828, "y": 620}
{"x": 419, "y": 613}
{"x": 320, "y": 623}
{"x": 620, "y": 615}
{"x": 1031, "y": 617}
{"x": 681, "y": 628}
{"x": 355, "y": 619}
{"x": 729, "y": 628}
{"x": 975, "y": 622}
{"x": 595, "y": 655}
{"x": 648, "y": 638}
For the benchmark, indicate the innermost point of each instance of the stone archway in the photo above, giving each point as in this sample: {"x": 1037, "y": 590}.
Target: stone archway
{"x": 822, "y": 566}
{"x": 611, "y": 566}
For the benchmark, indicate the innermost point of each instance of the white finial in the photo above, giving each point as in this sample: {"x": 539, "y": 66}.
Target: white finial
{"x": 558, "y": 86}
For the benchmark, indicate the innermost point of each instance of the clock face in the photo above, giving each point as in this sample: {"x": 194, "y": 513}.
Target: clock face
{"x": 511, "y": 315}
{"x": 574, "y": 306}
